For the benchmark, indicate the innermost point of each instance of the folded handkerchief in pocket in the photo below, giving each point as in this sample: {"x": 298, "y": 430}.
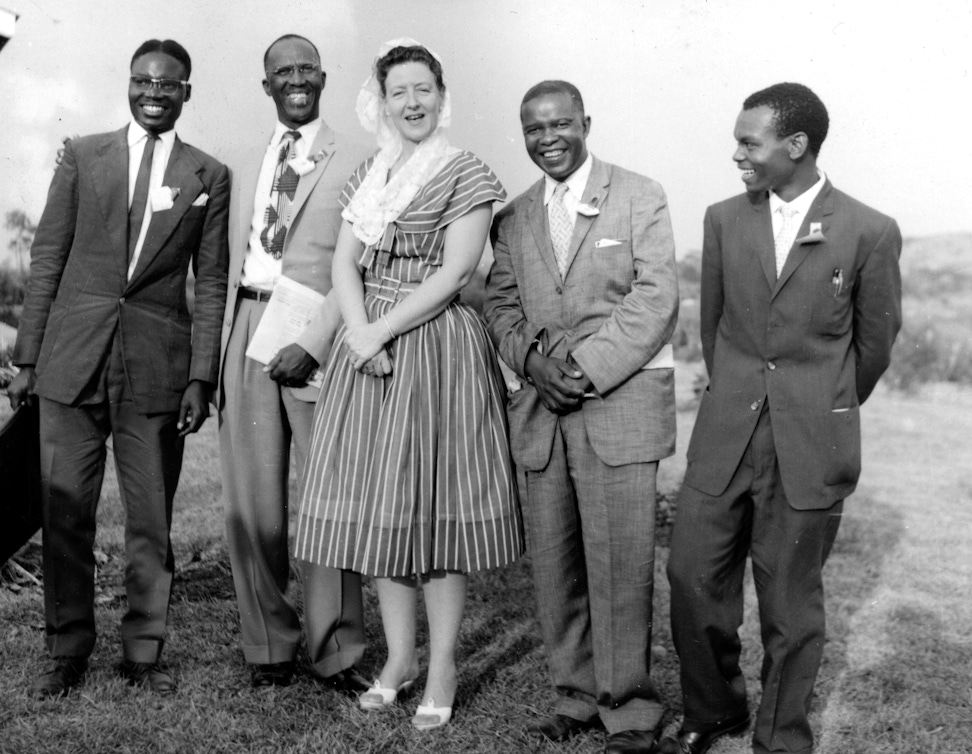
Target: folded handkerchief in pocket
{"x": 163, "y": 197}
{"x": 606, "y": 243}
{"x": 201, "y": 200}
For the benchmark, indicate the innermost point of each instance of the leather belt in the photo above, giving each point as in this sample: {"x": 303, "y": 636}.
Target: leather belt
{"x": 253, "y": 294}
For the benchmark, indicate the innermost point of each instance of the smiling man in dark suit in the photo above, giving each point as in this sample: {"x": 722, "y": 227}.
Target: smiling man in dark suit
{"x": 107, "y": 343}
{"x": 581, "y": 301}
{"x": 801, "y": 303}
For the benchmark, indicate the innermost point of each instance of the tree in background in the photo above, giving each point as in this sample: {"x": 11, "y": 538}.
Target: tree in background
{"x": 23, "y": 236}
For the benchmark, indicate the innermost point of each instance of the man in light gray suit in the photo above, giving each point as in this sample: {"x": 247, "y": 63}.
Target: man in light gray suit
{"x": 581, "y": 301}
{"x": 283, "y": 223}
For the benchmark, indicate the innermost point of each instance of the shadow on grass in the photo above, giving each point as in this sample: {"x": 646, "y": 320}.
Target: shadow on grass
{"x": 916, "y": 699}
{"x": 869, "y": 534}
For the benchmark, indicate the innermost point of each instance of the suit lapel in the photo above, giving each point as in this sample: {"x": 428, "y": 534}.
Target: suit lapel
{"x": 761, "y": 235}
{"x": 594, "y": 194}
{"x": 180, "y": 173}
{"x": 820, "y": 211}
{"x": 244, "y": 191}
{"x": 111, "y": 188}
{"x": 322, "y": 147}
{"x": 537, "y": 217}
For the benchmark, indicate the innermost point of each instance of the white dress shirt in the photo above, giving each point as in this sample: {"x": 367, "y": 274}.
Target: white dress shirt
{"x": 576, "y": 183}
{"x": 261, "y": 270}
{"x": 799, "y": 206}
{"x": 160, "y": 160}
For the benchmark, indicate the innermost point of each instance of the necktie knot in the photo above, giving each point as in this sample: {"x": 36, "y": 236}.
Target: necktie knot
{"x": 560, "y": 191}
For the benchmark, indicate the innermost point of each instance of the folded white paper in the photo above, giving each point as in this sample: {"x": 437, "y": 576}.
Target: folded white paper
{"x": 292, "y": 305}
{"x": 664, "y": 359}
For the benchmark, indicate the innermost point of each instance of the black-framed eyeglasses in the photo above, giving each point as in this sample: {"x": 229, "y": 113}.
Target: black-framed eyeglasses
{"x": 305, "y": 69}
{"x": 166, "y": 86}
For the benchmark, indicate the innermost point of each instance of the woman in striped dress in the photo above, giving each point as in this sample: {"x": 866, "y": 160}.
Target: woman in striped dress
{"x": 409, "y": 477}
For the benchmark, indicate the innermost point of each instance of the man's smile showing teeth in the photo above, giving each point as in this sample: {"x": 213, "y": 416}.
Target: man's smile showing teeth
{"x": 748, "y": 174}
{"x": 152, "y": 109}
{"x": 553, "y": 154}
{"x": 297, "y": 98}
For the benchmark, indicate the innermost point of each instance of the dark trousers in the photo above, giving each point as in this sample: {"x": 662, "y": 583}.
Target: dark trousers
{"x": 591, "y": 532}
{"x": 148, "y": 459}
{"x": 710, "y": 541}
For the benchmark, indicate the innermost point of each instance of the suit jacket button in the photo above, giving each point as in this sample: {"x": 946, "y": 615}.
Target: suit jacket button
{"x": 771, "y": 366}
{"x": 755, "y": 405}
{"x": 559, "y": 289}
{"x": 121, "y": 300}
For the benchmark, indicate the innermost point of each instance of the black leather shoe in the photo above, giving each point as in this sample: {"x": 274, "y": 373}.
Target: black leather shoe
{"x": 64, "y": 674}
{"x": 699, "y": 741}
{"x": 561, "y": 727}
{"x": 149, "y": 675}
{"x": 631, "y": 742}
{"x": 272, "y": 674}
{"x": 348, "y": 681}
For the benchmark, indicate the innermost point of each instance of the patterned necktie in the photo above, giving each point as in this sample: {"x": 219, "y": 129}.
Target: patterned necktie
{"x": 281, "y": 198}
{"x": 561, "y": 228}
{"x": 784, "y": 238}
{"x": 136, "y": 213}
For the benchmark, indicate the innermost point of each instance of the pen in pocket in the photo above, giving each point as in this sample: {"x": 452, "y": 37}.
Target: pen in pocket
{"x": 837, "y": 281}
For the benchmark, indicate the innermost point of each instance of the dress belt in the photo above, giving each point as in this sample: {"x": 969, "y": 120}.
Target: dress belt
{"x": 253, "y": 294}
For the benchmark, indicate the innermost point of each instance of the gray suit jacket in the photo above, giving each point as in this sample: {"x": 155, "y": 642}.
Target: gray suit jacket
{"x": 614, "y": 311}
{"x": 311, "y": 237}
{"x": 812, "y": 343}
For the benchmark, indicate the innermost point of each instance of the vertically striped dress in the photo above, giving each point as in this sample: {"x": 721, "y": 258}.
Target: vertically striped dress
{"x": 411, "y": 473}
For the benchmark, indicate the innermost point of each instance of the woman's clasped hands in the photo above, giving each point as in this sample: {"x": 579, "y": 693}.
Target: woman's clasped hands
{"x": 366, "y": 349}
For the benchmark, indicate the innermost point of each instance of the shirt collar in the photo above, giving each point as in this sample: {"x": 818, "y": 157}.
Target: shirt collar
{"x": 308, "y": 132}
{"x": 136, "y": 134}
{"x": 802, "y": 203}
{"x": 576, "y": 181}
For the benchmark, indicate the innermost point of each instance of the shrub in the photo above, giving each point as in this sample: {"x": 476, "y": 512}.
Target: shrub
{"x": 922, "y": 354}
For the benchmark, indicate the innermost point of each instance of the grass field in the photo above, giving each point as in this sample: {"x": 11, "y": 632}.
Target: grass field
{"x": 895, "y": 676}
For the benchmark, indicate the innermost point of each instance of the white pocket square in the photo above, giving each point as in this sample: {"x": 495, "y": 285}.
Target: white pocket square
{"x": 163, "y": 197}
{"x": 201, "y": 200}
{"x": 605, "y": 243}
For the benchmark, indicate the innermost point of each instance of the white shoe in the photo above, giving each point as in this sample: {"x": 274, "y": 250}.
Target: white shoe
{"x": 428, "y": 716}
{"x": 378, "y": 697}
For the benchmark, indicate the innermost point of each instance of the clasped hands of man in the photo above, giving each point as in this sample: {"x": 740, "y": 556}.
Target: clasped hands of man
{"x": 562, "y": 385}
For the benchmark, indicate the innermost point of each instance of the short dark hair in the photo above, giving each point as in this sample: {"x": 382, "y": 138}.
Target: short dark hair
{"x": 170, "y": 47}
{"x": 284, "y": 38}
{"x": 554, "y": 86}
{"x": 414, "y": 54}
{"x": 796, "y": 109}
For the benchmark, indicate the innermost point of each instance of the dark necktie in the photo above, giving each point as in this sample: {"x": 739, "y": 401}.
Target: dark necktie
{"x": 137, "y": 211}
{"x": 285, "y": 180}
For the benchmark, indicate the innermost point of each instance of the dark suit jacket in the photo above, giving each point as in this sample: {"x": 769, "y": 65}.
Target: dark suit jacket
{"x": 311, "y": 237}
{"x": 78, "y": 294}
{"x": 614, "y": 311}
{"x": 812, "y": 343}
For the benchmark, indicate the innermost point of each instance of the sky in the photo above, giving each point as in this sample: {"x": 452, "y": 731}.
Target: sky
{"x": 663, "y": 82}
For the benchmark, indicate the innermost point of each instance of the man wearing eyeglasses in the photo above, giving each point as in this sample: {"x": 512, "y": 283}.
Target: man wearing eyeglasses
{"x": 285, "y": 218}
{"x": 107, "y": 344}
